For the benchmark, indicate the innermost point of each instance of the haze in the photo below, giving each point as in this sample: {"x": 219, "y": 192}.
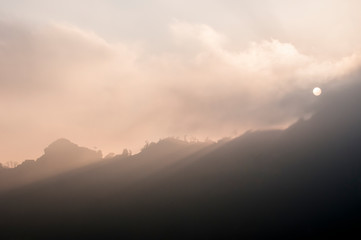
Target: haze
{"x": 113, "y": 74}
{"x": 172, "y": 119}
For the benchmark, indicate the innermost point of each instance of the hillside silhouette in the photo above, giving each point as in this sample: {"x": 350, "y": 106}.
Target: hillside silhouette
{"x": 301, "y": 182}
{"x": 60, "y": 156}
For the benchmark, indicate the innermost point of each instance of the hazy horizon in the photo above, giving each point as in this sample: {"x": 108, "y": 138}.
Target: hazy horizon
{"x": 179, "y": 119}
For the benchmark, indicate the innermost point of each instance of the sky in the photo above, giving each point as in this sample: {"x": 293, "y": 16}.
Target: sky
{"x": 113, "y": 74}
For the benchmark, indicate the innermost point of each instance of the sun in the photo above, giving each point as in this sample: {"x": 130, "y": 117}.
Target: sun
{"x": 317, "y": 91}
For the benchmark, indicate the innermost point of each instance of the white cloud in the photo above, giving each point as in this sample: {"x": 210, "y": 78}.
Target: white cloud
{"x": 62, "y": 81}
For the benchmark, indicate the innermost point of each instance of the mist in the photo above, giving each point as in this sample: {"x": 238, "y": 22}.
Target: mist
{"x": 58, "y": 80}
{"x": 180, "y": 119}
{"x": 299, "y": 182}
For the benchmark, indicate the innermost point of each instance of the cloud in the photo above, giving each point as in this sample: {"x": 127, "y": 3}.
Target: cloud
{"x": 247, "y": 88}
{"x": 62, "y": 81}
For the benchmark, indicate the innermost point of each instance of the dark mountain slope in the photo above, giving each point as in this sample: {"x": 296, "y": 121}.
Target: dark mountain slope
{"x": 302, "y": 182}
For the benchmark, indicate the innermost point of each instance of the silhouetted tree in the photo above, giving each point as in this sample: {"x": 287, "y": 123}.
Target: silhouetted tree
{"x": 125, "y": 153}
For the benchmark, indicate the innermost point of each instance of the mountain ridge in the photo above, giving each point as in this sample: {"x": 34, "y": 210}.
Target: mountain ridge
{"x": 300, "y": 182}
